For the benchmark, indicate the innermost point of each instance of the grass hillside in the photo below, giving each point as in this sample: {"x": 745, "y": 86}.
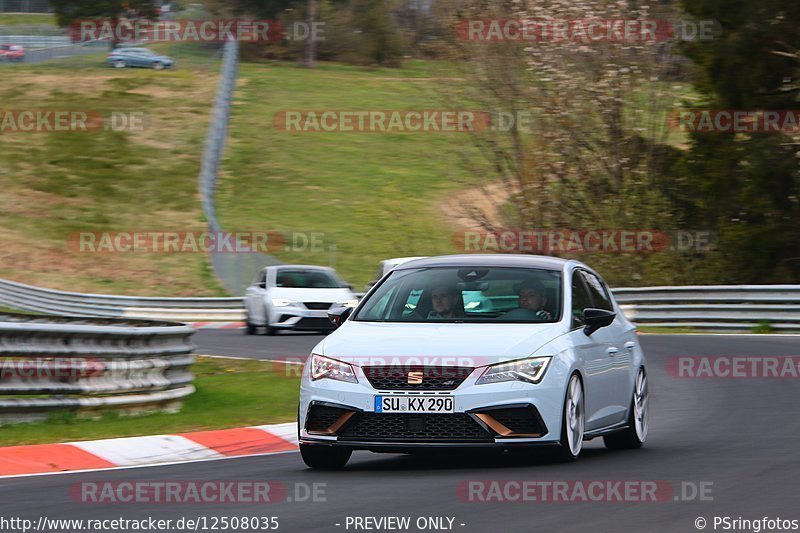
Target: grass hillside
{"x": 56, "y": 184}
{"x": 374, "y": 195}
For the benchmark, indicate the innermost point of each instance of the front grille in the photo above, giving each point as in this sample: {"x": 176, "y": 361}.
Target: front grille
{"x": 313, "y": 323}
{"x": 317, "y": 305}
{"x": 396, "y": 427}
{"x": 433, "y": 377}
{"x": 519, "y": 419}
{"x": 322, "y": 417}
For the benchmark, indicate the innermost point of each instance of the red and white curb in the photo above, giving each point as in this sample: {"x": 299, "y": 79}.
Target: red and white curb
{"x": 148, "y": 450}
{"x": 216, "y": 325}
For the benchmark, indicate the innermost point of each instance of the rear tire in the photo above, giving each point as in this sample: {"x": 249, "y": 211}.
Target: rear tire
{"x": 635, "y": 434}
{"x": 573, "y": 421}
{"x": 120, "y": 64}
{"x": 324, "y": 457}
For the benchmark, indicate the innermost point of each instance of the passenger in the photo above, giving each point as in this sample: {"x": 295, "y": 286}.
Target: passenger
{"x": 446, "y": 302}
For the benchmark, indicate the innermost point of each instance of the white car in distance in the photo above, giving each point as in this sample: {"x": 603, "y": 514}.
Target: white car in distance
{"x": 295, "y": 297}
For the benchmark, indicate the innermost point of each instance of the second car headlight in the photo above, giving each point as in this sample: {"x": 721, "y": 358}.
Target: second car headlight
{"x": 530, "y": 370}
{"x": 282, "y": 302}
{"x": 325, "y": 367}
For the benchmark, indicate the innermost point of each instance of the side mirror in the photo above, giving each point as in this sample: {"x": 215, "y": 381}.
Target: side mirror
{"x": 596, "y": 319}
{"x": 263, "y": 285}
{"x": 338, "y": 315}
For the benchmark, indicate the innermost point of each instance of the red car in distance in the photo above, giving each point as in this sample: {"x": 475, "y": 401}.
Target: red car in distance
{"x": 11, "y": 52}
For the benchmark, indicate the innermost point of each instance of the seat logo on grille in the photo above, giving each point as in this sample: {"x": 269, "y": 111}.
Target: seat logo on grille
{"x": 415, "y": 378}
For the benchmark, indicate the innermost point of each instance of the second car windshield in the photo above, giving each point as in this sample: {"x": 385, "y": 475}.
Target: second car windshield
{"x": 307, "y": 279}
{"x": 466, "y": 294}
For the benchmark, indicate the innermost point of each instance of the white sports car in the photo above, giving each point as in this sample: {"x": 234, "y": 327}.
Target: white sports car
{"x": 294, "y": 297}
{"x": 551, "y": 361}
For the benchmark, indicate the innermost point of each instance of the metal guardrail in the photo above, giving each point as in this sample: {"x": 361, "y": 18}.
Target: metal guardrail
{"x": 723, "y": 307}
{"x": 53, "y": 302}
{"x": 52, "y": 363}
{"x": 714, "y": 307}
{"x": 234, "y": 270}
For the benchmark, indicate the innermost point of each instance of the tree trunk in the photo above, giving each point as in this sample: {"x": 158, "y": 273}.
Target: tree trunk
{"x": 311, "y": 45}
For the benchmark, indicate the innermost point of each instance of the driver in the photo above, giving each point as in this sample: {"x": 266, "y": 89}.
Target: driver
{"x": 531, "y": 303}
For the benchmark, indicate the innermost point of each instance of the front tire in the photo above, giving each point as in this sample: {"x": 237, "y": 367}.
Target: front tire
{"x": 249, "y": 328}
{"x": 324, "y": 457}
{"x": 158, "y": 66}
{"x": 120, "y": 64}
{"x": 635, "y": 434}
{"x": 573, "y": 421}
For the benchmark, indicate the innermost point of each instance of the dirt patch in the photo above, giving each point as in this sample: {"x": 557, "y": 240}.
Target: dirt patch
{"x": 477, "y": 207}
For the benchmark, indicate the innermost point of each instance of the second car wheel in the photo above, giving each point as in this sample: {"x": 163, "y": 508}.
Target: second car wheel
{"x": 635, "y": 434}
{"x": 324, "y": 457}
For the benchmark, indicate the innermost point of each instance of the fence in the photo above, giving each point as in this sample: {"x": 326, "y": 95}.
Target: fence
{"x": 724, "y": 308}
{"x": 720, "y": 307}
{"x": 48, "y": 301}
{"x": 52, "y": 364}
{"x": 25, "y": 6}
{"x": 234, "y": 270}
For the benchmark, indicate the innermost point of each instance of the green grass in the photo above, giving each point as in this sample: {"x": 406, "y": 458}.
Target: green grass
{"x": 230, "y": 393}
{"x": 17, "y": 19}
{"x": 57, "y": 184}
{"x": 374, "y": 195}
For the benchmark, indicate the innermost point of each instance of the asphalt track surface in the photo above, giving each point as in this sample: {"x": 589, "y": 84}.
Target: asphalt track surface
{"x": 740, "y": 435}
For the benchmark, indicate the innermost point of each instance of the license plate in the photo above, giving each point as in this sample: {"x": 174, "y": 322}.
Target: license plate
{"x": 414, "y": 404}
{"x": 318, "y": 314}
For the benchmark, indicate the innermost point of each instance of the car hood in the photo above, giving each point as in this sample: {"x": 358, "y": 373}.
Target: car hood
{"x": 312, "y": 295}
{"x": 364, "y": 343}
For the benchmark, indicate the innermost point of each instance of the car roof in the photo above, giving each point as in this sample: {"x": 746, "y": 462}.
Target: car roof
{"x": 488, "y": 260}
{"x": 401, "y": 260}
{"x": 304, "y": 267}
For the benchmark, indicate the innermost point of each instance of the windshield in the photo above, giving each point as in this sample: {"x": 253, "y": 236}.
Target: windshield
{"x": 308, "y": 279}
{"x": 465, "y": 294}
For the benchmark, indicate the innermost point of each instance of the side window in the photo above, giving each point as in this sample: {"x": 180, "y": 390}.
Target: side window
{"x": 580, "y": 300}
{"x": 597, "y": 291}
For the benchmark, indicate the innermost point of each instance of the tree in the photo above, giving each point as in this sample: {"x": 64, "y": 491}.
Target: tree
{"x": 592, "y": 152}
{"x": 747, "y": 186}
{"x": 69, "y": 11}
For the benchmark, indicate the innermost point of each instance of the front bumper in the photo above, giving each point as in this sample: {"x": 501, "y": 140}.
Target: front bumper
{"x": 509, "y": 414}
{"x": 301, "y": 318}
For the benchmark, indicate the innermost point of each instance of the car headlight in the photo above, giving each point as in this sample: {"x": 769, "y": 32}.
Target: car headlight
{"x": 282, "y": 302}
{"x": 325, "y": 367}
{"x": 348, "y": 303}
{"x": 530, "y": 370}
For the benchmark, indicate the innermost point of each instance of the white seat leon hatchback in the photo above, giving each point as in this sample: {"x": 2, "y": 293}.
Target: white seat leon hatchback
{"x": 475, "y": 351}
